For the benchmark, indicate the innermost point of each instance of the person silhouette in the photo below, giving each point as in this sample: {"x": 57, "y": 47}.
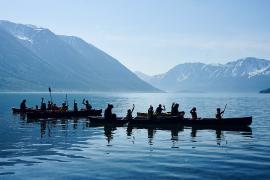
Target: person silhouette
{"x": 150, "y": 113}
{"x": 88, "y": 106}
{"x": 23, "y": 105}
{"x": 108, "y": 115}
{"x": 129, "y": 113}
{"x": 219, "y": 113}
{"x": 160, "y": 109}
{"x": 193, "y": 113}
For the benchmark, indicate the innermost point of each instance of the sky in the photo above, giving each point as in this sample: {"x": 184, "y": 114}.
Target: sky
{"x": 152, "y": 36}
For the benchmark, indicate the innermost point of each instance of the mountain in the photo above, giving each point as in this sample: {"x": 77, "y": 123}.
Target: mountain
{"x": 63, "y": 62}
{"x": 143, "y": 76}
{"x": 106, "y": 67}
{"x": 243, "y": 75}
{"x": 18, "y": 65}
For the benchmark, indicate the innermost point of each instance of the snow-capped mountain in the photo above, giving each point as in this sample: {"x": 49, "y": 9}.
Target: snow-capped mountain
{"x": 40, "y": 58}
{"x": 248, "y": 74}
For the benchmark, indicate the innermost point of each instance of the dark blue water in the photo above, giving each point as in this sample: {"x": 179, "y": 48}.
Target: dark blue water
{"x": 72, "y": 149}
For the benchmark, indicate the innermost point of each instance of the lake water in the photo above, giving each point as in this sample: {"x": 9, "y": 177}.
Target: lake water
{"x": 72, "y": 149}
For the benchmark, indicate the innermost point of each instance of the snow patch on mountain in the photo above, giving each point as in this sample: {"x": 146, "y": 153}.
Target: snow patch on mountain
{"x": 182, "y": 77}
{"x": 24, "y": 38}
{"x": 258, "y": 72}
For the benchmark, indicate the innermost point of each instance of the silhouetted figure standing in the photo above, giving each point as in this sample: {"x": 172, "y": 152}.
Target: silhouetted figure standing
{"x": 23, "y": 105}
{"x": 160, "y": 109}
{"x": 88, "y": 106}
{"x": 150, "y": 112}
{"x": 108, "y": 115}
{"x": 193, "y": 113}
{"x": 129, "y": 113}
{"x": 219, "y": 113}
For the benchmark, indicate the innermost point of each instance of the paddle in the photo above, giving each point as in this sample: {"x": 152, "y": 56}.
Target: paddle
{"x": 66, "y": 100}
{"x": 133, "y": 106}
{"x": 224, "y": 110}
{"x": 50, "y": 95}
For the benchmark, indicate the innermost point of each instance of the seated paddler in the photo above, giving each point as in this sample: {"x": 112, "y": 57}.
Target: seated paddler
{"x": 150, "y": 113}
{"x": 175, "y": 110}
{"x": 23, "y": 105}
{"x": 108, "y": 115}
{"x": 88, "y": 106}
{"x": 160, "y": 109}
{"x": 219, "y": 113}
{"x": 64, "y": 107}
{"x": 193, "y": 113}
{"x": 75, "y": 106}
{"x": 129, "y": 113}
{"x": 43, "y": 106}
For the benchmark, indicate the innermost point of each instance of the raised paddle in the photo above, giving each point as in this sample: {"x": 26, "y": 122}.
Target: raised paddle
{"x": 66, "y": 100}
{"x": 50, "y": 95}
{"x": 224, "y": 110}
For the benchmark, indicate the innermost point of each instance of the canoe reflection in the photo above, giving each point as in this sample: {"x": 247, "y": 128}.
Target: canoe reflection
{"x": 109, "y": 129}
{"x": 151, "y": 129}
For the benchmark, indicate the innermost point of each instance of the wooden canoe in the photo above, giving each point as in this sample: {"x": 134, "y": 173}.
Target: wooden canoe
{"x": 61, "y": 114}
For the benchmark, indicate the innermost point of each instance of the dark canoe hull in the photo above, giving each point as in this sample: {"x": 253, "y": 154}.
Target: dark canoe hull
{"x": 17, "y": 111}
{"x": 59, "y": 114}
{"x": 96, "y": 121}
{"x": 204, "y": 122}
{"x": 226, "y": 122}
{"x": 156, "y": 120}
{"x": 223, "y": 128}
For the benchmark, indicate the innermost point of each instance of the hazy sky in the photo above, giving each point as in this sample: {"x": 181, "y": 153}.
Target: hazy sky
{"x": 153, "y": 35}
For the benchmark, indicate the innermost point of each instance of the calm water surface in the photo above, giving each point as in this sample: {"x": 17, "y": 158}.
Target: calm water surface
{"x": 72, "y": 149}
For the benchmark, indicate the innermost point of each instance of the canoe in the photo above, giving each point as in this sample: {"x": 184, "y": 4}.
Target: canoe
{"x": 156, "y": 120}
{"x": 234, "y": 122}
{"x": 142, "y": 114}
{"x": 246, "y": 129}
{"x": 102, "y": 121}
{"x": 61, "y": 114}
{"x": 242, "y": 121}
{"x": 18, "y": 110}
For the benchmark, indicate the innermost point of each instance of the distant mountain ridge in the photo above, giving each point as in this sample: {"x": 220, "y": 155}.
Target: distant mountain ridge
{"x": 265, "y": 91}
{"x": 42, "y": 58}
{"x": 243, "y": 75}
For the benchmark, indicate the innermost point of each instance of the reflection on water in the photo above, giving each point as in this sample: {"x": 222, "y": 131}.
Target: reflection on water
{"x": 80, "y": 150}
{"x": 46, "y": 127}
